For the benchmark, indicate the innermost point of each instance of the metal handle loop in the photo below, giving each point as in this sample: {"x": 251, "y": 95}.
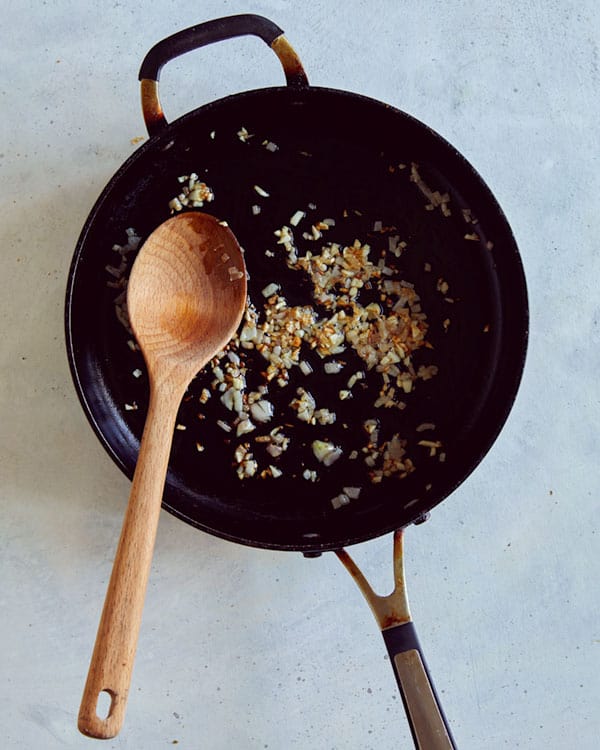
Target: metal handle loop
{"x": 200, "y": 36}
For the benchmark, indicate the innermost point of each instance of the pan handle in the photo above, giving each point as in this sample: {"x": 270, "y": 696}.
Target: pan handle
{"x": 208, "y": 33}
{"x": 427, "y": 722}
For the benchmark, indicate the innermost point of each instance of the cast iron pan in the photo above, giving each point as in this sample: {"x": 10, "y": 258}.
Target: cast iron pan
{"x": 351, "y": 157}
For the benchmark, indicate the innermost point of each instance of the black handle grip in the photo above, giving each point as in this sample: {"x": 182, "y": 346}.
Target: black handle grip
{"x": 203, "y": 34}
{"x": 428, "y": 724}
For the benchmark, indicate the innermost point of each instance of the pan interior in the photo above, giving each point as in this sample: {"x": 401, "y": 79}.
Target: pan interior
{"x": 351, "y": 159}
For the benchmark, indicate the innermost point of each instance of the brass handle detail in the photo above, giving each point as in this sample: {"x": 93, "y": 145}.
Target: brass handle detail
{"x": 421, "y": 705}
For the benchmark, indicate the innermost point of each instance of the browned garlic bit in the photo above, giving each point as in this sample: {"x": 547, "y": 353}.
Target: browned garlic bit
{"x": 307, "y": 411}
{"x": 344, "y": 498}
{"x": 276, "y": 442}
{"x": 435, "y": 198}
{"x": 297, "y": 218}
{"x": 339, "y": 500}
{"x": 433, "y": 445}
{"x": 392, "y": 460}
{"x": 234, "y": 273}
{"x": 247, "y": 466}
{"x": 244, "y": 135}
{"x": 468, "y": 216}
{"x": 194, "y": 193}
{"x": 325, "y": 452}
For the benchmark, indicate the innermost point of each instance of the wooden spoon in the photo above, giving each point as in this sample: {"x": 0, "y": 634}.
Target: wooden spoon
{"x": 185, "y": 298}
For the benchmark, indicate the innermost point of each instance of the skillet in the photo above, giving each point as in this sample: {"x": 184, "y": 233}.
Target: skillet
{"x": 379, "y": 174}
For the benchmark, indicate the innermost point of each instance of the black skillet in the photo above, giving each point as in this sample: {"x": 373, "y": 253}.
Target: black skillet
{"x": 351, "y": 157}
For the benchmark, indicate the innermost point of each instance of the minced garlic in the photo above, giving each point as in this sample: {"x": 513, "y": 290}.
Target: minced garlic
{"x": 384, "y": 331}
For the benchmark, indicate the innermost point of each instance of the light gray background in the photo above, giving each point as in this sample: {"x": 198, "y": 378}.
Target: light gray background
{"x": 251, "y": 649}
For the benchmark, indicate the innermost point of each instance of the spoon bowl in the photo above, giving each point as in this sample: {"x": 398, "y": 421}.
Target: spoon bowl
{"x": 185, "y": 297}
{"x": 186, "y": 294}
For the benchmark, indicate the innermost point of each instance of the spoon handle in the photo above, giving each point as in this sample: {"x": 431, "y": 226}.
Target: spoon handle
{"x": 114, "y": 651}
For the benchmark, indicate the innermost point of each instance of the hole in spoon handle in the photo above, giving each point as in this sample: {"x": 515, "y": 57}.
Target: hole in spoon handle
{"x": 104, "y": 704}
{"x": 101, "y": 713}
